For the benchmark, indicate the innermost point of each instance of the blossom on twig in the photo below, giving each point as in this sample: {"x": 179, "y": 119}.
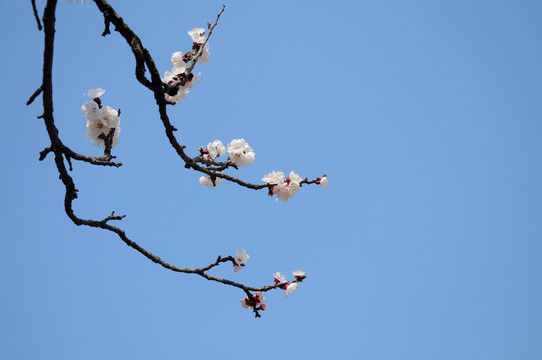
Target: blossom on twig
{"x": 177, "y": 59}
{"x": 240, "y": 258}
{"x": 285, "y": 189}
{"x": 95, "y": 93}
{"x": 291, "y": 288}
{"x": 198, "y": 38}
{"x": 299, "y": 274}
{"x": 214, "y": 150}
{"x": 182, "y": 90}
{"x": 101, "y": 120}
{"x": 240, "y": 153}
{"x": 197, "y": 35}
{"x": 279, "y": 277}
{"x": 322, "y": 181}
{"x": 256, "y": 302}
{"x": 206, "y": 180}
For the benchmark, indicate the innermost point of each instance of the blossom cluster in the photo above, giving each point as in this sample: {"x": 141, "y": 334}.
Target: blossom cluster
{"x": 102, "y": 121}
{"x": 198, "y": 38}
{"x": 284, "y": 188}
{"x": 214, "y": 150}
{"x": 255, "y": 303}
{"x": 290, "y": 287}
{"x": 240, "y": 154}
{"x": 180, "y": 61}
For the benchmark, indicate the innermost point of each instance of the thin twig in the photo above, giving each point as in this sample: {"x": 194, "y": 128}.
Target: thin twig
{"x": 106, "y": 24}
{"x": 44, "y": 152}
{"x": 36, "y": 16}
{"x": 113, "y": 217}
{"x": 35, "y": 94}
{"x": 200, "y": 51}
{"x": 104, "y": 161}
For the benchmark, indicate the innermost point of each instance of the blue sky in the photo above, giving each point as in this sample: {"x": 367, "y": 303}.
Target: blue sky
{"x": 425, "y": 245}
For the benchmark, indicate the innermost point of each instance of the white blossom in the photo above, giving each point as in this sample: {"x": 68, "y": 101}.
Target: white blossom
{"x": 177, "y": 59}
{"x": 90, "y": 109}
{"x": 298, "y": 274}
{"x": 291, "y": 288}
{"x": 274, "y": 178}
{"x": 293, "y": 183}
{"x": 110, "y": 116}
{"x": 97, "y": 129}
{"x": 240, "y": 153}
{"x": 100, "y": 119}
{"x": 205, "y": 54}
{"x": 323, "y": 181}
{"x": 240, "y": 258}
{"x": 214, "y": 150}
{"x": 197, "y": 35}
{"x": 279, "y": 277}
{"x": 285, "y": 189}
{"x": 282, "y": 191}
{"x": 179, "y": 66}
{"x": 182, "y": 91}
{"x": 294, "y": 178}
{"x": 207, "y": 181}
{"x": 177, "y": 98}
{"x": 95, "y": 93}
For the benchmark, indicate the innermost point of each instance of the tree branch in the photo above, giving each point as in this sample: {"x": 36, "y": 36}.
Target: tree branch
{"x": 64, "y": 154}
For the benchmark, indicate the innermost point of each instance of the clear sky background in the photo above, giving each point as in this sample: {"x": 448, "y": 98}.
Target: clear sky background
{"x": 427, "y": 243}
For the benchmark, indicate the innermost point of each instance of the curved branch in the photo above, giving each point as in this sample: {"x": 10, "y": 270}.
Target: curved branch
{"x": 131, "y": 38}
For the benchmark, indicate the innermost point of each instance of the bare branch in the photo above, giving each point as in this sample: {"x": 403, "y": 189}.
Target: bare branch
{"x": 103, "y": 160}
{"x": 113, "y": 217}
{"x": 110, "y": 16}
{"x": 44, "y": 152}
{"x": 216, "y": 263}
